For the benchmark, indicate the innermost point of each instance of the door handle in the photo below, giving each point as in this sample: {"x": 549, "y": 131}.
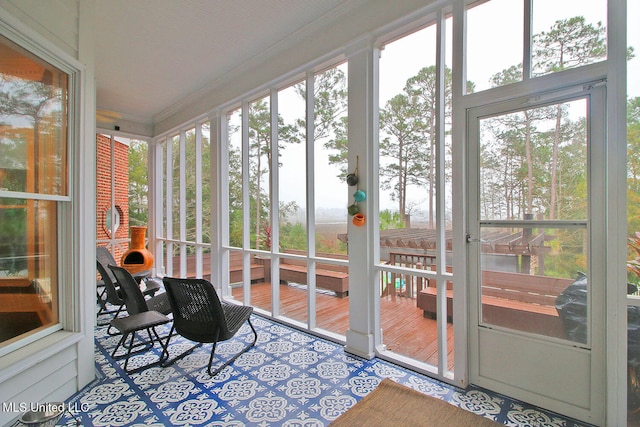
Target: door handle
{"x": 471, "y": 239}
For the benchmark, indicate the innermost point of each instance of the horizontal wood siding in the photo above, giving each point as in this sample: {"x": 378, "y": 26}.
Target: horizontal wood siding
{"x": 52, "y": 379}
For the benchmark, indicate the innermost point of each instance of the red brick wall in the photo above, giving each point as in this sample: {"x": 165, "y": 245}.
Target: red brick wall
{"x": 103, "y": 182}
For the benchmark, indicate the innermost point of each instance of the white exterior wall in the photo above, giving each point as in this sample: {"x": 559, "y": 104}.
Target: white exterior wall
{"x": 55, "y": 367}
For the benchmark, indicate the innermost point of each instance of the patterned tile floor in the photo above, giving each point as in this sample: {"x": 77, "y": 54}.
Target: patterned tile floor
{"x": 288, "y": 379}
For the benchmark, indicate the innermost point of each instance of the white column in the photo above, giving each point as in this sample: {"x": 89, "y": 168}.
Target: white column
{"x": 364, "y": 302}
{"x": 219, "y": 182}
{"x": 155, "y": 154}
{"x": 459, "y": 179}
{"x": 616, "y": 246}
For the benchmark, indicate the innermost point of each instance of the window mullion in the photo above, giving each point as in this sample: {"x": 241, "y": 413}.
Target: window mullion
{"x": 183, "y": 205}
{"x": 311, "y": 212}
{"x": 246, "y": 211}
{"x": 168, "y": 204}
{"x": 155, "y": 203}
{"x": 275, "y": 199}
{"x": 112, "y": 202}
{"x": 527, "y": 40}
{"x": 275, "y": 180}
{"x": 198, "y": 201}
{"x": 440, "y": 150}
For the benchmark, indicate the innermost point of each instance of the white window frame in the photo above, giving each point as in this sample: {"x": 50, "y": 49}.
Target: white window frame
{"x": 68, "y": 206}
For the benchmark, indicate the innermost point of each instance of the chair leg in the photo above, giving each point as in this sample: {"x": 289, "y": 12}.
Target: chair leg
{"x": 165, "y": 346}
{"x": 230, "y": 361}
{"x": 110, "y": 331}
{"x": 103, "y": 311}
{"x": 117, "y": 313}
{"x": 100, "y": 298}
{"x": 122, "y": 343}
{"x": 139, "y": 348}
{"x": 165, "y": 354}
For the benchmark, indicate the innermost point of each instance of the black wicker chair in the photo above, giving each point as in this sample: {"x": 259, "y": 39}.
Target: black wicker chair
{"x": 108, "y": 288}
{"x": 144, "y": 315}
{"x": 199, "y": 316}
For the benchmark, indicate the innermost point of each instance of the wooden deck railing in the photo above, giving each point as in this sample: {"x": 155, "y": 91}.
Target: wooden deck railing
{"x": 328, "y": 276}
{"x": 405, "y": 284}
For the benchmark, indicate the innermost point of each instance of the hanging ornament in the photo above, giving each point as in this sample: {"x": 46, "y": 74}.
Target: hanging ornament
{"x": 352, "y": 178}
{"x": 358, "y": 220}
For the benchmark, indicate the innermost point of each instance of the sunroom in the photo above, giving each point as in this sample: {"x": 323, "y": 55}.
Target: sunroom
{"x": 381, "y": 175}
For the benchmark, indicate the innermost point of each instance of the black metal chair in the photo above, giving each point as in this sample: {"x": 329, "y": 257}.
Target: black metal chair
{"x": 108, "y": 288}
{"x": 199, "y": 316}
{"x": 102, "y": 256}
{"x": 110, "y": 294}
{"x": 144, "y": 315}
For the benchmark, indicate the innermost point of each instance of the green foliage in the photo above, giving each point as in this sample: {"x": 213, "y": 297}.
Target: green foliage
{"x": 330, "y": 124}
{"x": 235, "y": 228}
{"x": 407, "y": 144}
{"x": 633, "y": 157}
{"x": 408, "y": 124}
{"x": 13, "y": 236}
{"x": 633, "y": 188}
{"x": 330, "y": 245}
{"x": 293, "y": 236}
{"x": 234, "y": 172}
{"x": 260, "y": 161}
{"x": 633, "y": 263}
{"x": 339, "y": 146}
{"x": 568, "y": 44}
{"x": 534, "y": 169}
{"x": 330, "y": 103}
{"x": 330, "y": 114}
{"x": 138, "y": 184}
{"x": 390, "y": 220}
{"x": 567, "y": 256}
{"x": 518, "y": 169}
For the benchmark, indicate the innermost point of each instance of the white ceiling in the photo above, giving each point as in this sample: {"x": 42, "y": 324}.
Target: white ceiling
{"x": 151, "y": 54}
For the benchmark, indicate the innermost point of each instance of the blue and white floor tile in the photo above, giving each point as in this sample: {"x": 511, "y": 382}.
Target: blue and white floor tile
{"x": 288, "y": 379}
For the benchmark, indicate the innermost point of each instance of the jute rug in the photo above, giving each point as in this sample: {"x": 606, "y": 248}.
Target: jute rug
{"x": 392, "y": 404}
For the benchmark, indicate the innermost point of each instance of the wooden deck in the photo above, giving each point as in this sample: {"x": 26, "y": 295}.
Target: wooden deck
{"x": 405, "y": 330}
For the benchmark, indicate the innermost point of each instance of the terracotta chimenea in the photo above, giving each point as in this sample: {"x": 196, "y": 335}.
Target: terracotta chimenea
{"x": 138, "y": 258}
